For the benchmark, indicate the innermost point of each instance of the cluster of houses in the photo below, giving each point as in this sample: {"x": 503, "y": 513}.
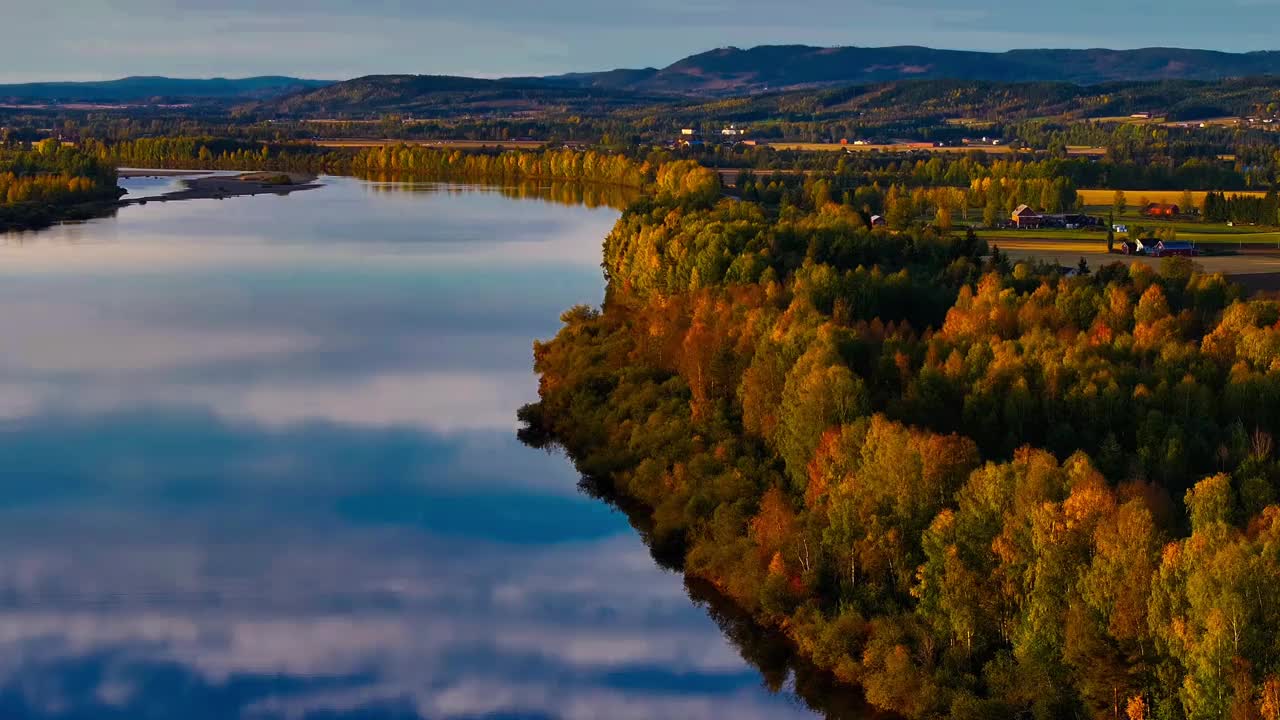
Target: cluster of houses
{"x": 1024, "y": 217}
{"x": 730, "y": 135}
{"x": 1158, "y": 248}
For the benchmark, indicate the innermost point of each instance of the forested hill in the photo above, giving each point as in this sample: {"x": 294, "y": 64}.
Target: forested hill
{"x": 445, "y": 95}
{"x": 901, "y": 100}
{"x": 770, "y": 67}
{"x": 135, "y": 89}
{"x": 796, "y": 81}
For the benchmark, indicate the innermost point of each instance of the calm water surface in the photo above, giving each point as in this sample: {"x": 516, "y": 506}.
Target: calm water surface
{"x": 257, "y": 459}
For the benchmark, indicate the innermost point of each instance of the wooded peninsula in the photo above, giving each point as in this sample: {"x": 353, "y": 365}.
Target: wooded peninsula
{"x": 975, "y": 488}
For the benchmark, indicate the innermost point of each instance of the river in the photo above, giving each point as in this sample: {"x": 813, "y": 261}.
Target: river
{"x": 258, "y": 460}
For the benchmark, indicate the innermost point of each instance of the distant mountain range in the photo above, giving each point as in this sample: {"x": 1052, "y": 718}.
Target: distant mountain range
{"x": 717, "y": 73}
{"x": 767, "y": 69}
{"x": 778, "y": 67}
{"x": 146, "y": 89}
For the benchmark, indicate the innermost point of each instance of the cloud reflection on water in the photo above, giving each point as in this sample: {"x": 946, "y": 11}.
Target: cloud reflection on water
{"x": 257, "y": 462}
{"x": 455, "y": 628}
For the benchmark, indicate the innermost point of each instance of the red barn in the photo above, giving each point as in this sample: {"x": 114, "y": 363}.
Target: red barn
{"x": 1161, "y": 210}
{"x": 1025, "y": 217}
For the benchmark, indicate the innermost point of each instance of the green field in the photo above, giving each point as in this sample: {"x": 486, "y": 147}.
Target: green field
{"x": 1047, "y": 234}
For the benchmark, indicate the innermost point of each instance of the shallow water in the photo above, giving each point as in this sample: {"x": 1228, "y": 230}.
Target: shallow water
{"x": 257, "y": 459}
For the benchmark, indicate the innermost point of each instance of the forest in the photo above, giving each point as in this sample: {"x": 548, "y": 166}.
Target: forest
{"x": 973, "y": 488}
{"x": 50, "y": 182}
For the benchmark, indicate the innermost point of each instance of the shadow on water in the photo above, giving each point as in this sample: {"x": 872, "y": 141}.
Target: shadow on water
{"x": 771, "y": 654}
{"x": 781, "y": 668}
{"x": 27, "y": 221}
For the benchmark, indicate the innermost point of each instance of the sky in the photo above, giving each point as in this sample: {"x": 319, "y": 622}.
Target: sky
{"x": 339, "y": 39}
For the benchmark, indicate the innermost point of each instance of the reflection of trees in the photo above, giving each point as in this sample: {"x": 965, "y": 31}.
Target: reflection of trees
{"x": 766, "y": 650}
{"x": 777, "y": 662}
{"x": 25, "y": 222}
{"x": 591, "y": 195}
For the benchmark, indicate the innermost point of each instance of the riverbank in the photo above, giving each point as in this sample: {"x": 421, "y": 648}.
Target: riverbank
{"x": 126, "y": 173}
{"x": 198, "y": 185}
{"x": 38, "y": 216}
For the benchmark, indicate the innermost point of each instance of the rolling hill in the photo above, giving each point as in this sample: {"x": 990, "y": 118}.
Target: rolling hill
{"x": 143, "y": 89}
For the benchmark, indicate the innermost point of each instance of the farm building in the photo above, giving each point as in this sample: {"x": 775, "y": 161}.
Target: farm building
{"x": 1025, "y": 217}
{"x": 1070, "y": 221}
{"x": 1169, "y": 248}
{"x": 1162, "y": 210}
{"x": 878, "y": 221}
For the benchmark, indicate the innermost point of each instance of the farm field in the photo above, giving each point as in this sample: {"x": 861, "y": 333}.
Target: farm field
{"x": 1128, "y": 119}
{"x": 1051, "y": 235}
{"x": 1188, "y": 227}
{"x": 1102, "y": 198}
{"x": 1066, "y": 246}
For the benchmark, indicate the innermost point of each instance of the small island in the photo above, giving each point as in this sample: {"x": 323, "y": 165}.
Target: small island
{"x": 208, "y": 186}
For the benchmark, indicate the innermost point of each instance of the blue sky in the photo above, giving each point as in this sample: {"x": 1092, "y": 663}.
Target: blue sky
{"x": 98, "y": 39}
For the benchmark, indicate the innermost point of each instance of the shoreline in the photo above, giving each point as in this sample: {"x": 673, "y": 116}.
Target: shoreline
{"x": 203, "y": 185}
{"x": 126, "y": 173}
{"x": 218, "y": 187}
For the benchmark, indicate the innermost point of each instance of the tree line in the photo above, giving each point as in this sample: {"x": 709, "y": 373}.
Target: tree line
{"x": 383, "y": 161}
{"x": 1251, "y": 209}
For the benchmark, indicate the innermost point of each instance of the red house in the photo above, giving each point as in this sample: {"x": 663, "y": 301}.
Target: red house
{"x": 1161, "y": 210}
